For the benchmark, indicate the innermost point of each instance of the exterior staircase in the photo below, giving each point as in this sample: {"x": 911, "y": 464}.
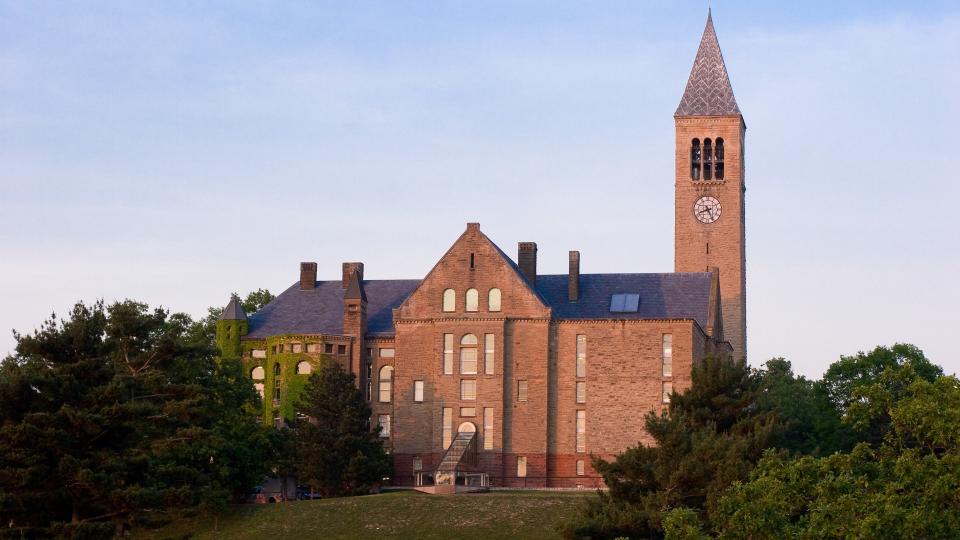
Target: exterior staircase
{"x": 460, "y": 460}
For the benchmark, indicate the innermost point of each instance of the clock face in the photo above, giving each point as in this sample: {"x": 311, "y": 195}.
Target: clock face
{"x": 707, "y": 209}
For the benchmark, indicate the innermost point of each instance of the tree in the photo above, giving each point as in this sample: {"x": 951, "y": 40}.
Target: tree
{"x": 809, "y": 421}
{"x": 115, "y": 414}
{"x": 905, "y": 488}
{"x": 859, "y": 386}
{"x": 205, "y": 329}
{"x": 712, "y": 435}
{"x": 336, "y": 450}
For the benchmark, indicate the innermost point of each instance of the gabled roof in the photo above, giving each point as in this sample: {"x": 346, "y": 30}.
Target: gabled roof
{"x": 678, "y": 295}
{"x": 320, "y": 310}
{"x": 233, "y": 311}
{"x": 708, "y": 92}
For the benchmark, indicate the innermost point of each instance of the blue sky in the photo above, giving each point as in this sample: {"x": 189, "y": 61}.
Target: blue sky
{"x": 174, "y": 152}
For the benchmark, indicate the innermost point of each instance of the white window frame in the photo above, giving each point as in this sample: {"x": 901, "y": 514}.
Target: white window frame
{"x": 666, "y": 388}
{"x": 581, "y": 349}
{"x": 488, "y": 428}
{"x": 449, "y": 300}
{"x": 494, "y": 299}
{"x": 383, "y": 421}
{"x": 666, "y": 343}
{"x": 581, "y": 391}
{"x": 521, "y": 466}
{"x": 447, "y": 431}
{"x": 468, "y": 354}
{"x": 489, "y": 350}
{"x": 468, "y": 389}
{"x": 385, "y": 384}
{"x": 522, "y": 390}
{"x": 581, "y": 431}
{"x": 418, "y": 391}
{"x": 448, "y": 354}
{"x": 471, "y": 301}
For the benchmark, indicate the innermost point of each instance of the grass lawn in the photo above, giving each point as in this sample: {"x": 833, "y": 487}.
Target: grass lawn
{"x": 406, "y": 514}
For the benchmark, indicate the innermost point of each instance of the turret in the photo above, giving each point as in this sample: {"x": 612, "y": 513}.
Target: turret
{"x": 231, "y": 326}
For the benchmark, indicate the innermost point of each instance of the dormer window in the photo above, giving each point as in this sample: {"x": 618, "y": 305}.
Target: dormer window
{"x": 624, "y": 303}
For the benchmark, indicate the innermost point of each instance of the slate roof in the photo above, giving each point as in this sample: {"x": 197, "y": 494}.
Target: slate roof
{"x": 678, "y": 295}
{"x": 708, "y": 91}
{"x": 233, "y": 311}
{"x": 320, "y": 310}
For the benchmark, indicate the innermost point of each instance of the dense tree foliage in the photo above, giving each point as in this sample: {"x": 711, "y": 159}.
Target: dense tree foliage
{"x": 119, "y": 414}
{"x": 869, "y": 451}
{"x": 336, "y": 451}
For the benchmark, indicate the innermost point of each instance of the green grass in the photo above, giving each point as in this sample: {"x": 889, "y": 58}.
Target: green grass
{"x": 407, "y": 514}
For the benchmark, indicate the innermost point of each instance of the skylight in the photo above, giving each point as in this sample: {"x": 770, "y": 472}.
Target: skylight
{"x": 624, "y": 303}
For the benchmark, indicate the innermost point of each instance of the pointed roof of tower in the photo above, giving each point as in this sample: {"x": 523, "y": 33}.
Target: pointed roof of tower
{"x": 355, "y": 289}
{"x": 233, "y": 311}
{"x": 708, "y": 90}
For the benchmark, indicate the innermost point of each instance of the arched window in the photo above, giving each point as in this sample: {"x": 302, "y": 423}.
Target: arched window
{"x": 449, "y": 300}
{"x": 707, "y": 160}
{"x": 493, "y": 300}
{"x": 718, "y": 160}
{"x": 467, "y": 427}
{"x": 468, "y": 355}
{"x": 386, "y": 383}
{"x": 257, "y": 373}
{"x": 304, "y": 368}
{"x": 695, "y": 160}
{"x": 473, "y": 298}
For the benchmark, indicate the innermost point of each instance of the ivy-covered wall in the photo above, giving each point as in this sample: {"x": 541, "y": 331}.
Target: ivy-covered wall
{"x": 291, "y": 383}
{"x": 228, "y": 337}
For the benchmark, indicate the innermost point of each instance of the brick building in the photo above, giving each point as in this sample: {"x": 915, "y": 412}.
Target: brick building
{"x": 486, "y": 367}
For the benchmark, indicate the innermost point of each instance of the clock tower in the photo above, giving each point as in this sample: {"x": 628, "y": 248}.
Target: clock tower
{"x": 709, "y": 213}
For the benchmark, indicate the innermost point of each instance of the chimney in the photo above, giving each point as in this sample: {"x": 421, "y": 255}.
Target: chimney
{"x": 348, "y": 269}
{"x": 527, "y": 259}
{"x": 573, "y": 280}
{"x": 308, "y": 276}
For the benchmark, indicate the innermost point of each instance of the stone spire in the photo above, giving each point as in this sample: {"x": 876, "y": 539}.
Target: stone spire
{"x": 708, "y": 90}
{"x": 233, "y": 311}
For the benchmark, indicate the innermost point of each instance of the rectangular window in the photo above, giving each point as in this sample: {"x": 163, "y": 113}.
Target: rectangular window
{"x": 488, "y": 428}
{"x": 418, "y": 391}
{"x": 448, "y": 354}
{"x": 468, "y": 360}
{"x": 468, "y": 390}
{"x": 581, "y": 392}
{"x": 313, "y": 348}
{"x": 328, "y": 348}
{"x": 384, "y": 421}
{"x": 447, "y": 427}
{"x": 341, "y": 350}
{"x": 580, "y": 467}
{"x": 370, "y": 352}
{"x": 581, "y": 356}
{"x": 667, "y": 390}
{"x": 668, "y": 355}
{"x": 386, "y": 353}
{"x": 297, "y": 347}
{"x": 259, "y": 353}
{"x": 521, "y": 390}
{"x": 488, "y": 354}
{"x": 581, "y": 431}
{"x": 521, "y": 466}
{"x": 369, "y": 387}
{"x": 468, "y": 411}
{"x": 417, "y": 464}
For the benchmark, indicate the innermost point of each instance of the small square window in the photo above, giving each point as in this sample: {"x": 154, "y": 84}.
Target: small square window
{"x": 313, "y": 347}
{"x": 341, "y": 350}
{"x": 521, "y": 390}
{"x": 328, "y": 348}
{"x": 296, "y": 347}
{"x": 386, "y": 353}
{"x": 468, "y": 411}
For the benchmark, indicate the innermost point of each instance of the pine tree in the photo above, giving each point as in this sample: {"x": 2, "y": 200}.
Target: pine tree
{"x": 336, "y": 451}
